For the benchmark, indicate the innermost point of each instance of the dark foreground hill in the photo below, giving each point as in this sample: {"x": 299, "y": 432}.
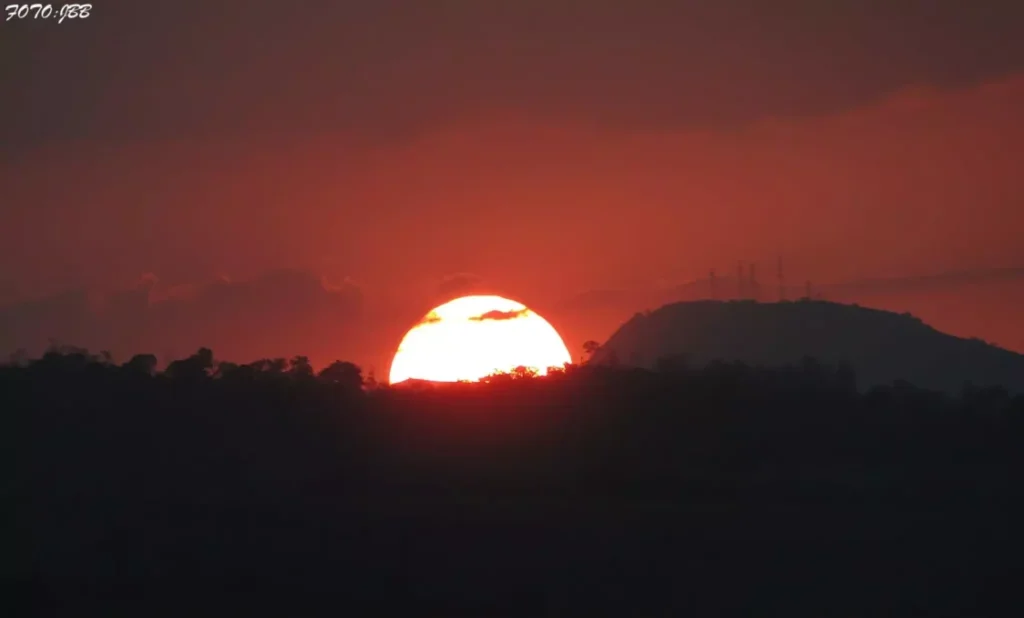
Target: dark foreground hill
{"x": 266, "y": 489}
{"x": 881, "y": 346}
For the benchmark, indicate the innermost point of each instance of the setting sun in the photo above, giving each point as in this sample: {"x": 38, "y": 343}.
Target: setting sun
{"x": 472, "y": 337}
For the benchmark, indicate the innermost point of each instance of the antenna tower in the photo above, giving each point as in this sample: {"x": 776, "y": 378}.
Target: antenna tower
{"x": 782, "y": 287}
{"x": 753, "y": 281}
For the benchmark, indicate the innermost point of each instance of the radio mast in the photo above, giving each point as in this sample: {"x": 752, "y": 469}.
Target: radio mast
{"x": 782, "y": 287}
{"x": 753, "y": 281}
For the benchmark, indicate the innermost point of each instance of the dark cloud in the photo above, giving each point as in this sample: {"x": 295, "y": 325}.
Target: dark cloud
{"x": 924, "y": 283}
{"x": 459, "y": 283}
{"x": 499, "y": 315}
{"x": 281, "y": 313}
{"x": 768, "y": 284}
{"x": 926, "y": 180}
{"x": 386, "y": 70}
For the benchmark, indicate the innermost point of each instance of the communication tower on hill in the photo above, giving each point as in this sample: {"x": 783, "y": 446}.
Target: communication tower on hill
{"x": 782, "y": 287}
{"x": 752, "y": 292}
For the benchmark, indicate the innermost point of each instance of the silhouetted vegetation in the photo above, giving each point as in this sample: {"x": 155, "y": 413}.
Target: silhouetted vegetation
{"x": 271, "y": 489}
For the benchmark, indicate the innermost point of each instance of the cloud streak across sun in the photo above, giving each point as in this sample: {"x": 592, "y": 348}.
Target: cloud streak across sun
{"x": 472, "y": 337}
{"x": 500, "y": 315}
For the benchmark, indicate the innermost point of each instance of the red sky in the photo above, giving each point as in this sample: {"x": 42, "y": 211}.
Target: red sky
{"x": 547, "y": 158}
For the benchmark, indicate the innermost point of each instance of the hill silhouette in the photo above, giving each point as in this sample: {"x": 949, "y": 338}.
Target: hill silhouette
{"x": 880, "y": 346}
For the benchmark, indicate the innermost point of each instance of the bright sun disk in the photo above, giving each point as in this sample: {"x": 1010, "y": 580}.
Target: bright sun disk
{"x": 474, "y": 336}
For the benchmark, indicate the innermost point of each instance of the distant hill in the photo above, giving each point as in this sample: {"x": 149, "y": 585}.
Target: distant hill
{"x": 880, "y": 345}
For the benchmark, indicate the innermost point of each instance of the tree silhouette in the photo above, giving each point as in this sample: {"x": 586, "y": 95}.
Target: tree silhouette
{"x": 737, "y": 478}
{"x": 370, "y": 382}
{"x": 301, "y": 368}
{"x": 276, "y": 366}
{"x": 143, "y": 364}
{"x": 193, "y": 368}
{"x": 346, "y": 375}
{"x": 227, "y": 370}
{"x": 522, "y": 372}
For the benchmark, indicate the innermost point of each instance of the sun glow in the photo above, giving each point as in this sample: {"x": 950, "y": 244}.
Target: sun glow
{"x": 472, "y": 337}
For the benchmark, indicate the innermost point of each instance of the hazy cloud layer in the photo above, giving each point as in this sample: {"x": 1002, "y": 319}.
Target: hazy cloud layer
{"x": 288, "y": 313}
{"x": 925, "y": 181}
{"x": 623, "y": 150}
{"x": 391, "y": 69}
{"x": 280, "y": 314}
{"x": 459, "y": 283}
